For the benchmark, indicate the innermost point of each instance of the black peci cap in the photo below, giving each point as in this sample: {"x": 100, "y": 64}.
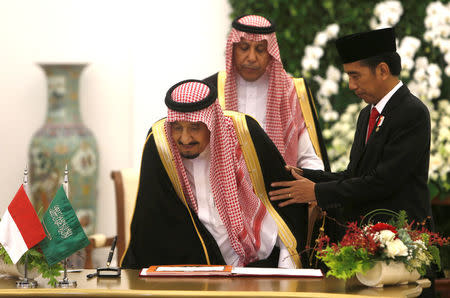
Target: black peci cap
{"x": 363, "y": 45}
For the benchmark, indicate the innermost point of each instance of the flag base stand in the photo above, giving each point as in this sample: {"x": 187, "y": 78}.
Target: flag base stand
{"x": 65, "y": 282}
{"x": 26, "y": 283}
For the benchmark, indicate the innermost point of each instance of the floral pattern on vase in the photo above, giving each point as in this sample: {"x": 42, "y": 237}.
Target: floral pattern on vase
{"x": 63, "y": 139}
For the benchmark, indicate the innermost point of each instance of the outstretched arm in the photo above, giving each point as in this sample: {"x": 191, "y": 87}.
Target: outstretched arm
{"x": 300, "y": 190}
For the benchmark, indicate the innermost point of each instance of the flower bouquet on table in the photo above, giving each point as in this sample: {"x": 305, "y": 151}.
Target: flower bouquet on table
{"x": 382, "y": 253}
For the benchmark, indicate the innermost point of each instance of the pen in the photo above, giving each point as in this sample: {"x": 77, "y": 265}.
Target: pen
{"x": 111, "y": 252}
{"x": 91, "y": 275}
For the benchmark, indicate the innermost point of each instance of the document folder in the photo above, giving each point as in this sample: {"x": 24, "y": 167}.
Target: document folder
{"x": 213, "y": 270}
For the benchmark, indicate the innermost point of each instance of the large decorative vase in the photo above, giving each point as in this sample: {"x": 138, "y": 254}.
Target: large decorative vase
{"x": 387, "y": 274}
{"x": 64, "y": 140}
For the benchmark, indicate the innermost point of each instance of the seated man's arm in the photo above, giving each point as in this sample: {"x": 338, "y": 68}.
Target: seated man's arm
{"x": 162, "y": 231}
{"x": 273, "y": 169}
{"x": 307, "y": 157}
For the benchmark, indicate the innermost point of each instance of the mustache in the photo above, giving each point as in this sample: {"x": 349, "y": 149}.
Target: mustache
{"x": 250, "y": 67}
{"x": 189, "y": 144}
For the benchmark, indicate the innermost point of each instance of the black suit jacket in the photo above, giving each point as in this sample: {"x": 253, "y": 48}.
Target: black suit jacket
{"x": 390, "y": 171}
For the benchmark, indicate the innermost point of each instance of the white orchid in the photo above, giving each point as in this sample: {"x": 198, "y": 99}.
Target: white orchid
{"x": 330, "y": 116}
{"x": 437, "y": 24}
{"x": 433, "y": 93}
{"x": 407, "y": 64}
{"x": 434, "y": 8}
{"x": 428, "y": 36}
{"x": 352, "y": 108}
{"x": 388, "y": 14}
{"x": 329, "y": 87}
{"x": 321, "y": 39}
{"x": 421, "y": 62}
{"x": 308, "y": 64}
{"x": 333, "y": 73}
{"x": 332, "y": 30}
{"x": 314, "y": 52}
{"x": 434, "y": 70}
{"x": 447, "y": 57}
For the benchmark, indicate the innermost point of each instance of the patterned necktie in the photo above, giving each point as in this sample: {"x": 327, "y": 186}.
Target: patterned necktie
{"x": 373, "y": 118}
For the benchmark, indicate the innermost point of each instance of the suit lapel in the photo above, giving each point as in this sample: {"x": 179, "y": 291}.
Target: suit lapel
{"x": 395, "y": 101}
{"x": 360, "y": 138}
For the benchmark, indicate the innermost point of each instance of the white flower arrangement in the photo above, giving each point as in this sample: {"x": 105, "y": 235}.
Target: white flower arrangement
{"x": 365, "y": 244}
{"x": 423, "y": 77}
{"x": 314, "y": 52}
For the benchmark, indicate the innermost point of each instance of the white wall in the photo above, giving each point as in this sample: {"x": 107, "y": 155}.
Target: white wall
{"x": 181, "y": 40}
{"x": 136, "y": 50}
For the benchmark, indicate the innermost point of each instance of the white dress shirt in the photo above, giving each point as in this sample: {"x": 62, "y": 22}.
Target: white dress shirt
{"x": 252, "y": 100}
{"x": 197, "y": 171}
{"x": 382, "y": 103}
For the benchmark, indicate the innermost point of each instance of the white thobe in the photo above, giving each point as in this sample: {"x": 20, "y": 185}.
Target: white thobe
{"x": 197, "y": 171}
{"x": 252, "y": 100}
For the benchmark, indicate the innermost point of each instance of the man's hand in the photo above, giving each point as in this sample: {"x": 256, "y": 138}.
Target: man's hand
{"x": 300, "y": 190}
{"x": 297, "y": 170}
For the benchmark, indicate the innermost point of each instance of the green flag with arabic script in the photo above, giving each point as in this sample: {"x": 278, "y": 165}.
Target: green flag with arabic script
{"x": 63, "y": 229}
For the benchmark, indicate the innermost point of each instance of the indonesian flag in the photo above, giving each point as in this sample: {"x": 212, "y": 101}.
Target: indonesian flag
{"x": 20, "y": 228}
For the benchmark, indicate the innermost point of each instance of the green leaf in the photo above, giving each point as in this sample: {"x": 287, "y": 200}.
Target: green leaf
{"x": 36, "y": 260}
{"x": 293, "y": 10}
{"x": 434, "y": 190}
{"x": 434, "y": 251}
{"x": 346, "y": 262}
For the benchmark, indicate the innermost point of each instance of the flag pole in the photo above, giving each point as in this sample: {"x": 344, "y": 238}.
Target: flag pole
{"x": 65, "y": 282}
{"x": 26, "y": 282}
{"x": 25, "y": 180}
{"x": 66, "y": 181}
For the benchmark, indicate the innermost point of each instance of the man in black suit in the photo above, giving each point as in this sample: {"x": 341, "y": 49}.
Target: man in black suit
{"x": 391, "y": 149}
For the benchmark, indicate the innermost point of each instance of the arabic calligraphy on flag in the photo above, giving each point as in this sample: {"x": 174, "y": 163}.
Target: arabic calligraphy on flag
{"x": 65, "y": 234}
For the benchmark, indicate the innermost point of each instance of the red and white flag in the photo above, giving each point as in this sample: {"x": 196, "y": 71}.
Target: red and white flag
{"x": 20, "y": 227}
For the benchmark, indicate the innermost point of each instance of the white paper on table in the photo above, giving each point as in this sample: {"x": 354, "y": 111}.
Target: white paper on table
{"x": 190, "y": 268}
{"x": 277, "y": 271}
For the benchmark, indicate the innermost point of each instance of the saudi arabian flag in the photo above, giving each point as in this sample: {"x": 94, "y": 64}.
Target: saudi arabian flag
{"x": 64, "y": 232}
